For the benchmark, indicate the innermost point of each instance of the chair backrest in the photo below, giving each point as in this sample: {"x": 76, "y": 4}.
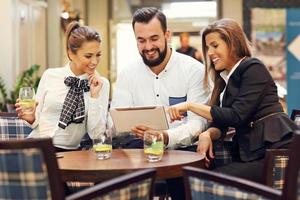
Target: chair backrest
{"x": 222, "y": 152}
{"x": 136, "y": 185}
{"x": 13, "y": 128}
{"x": 29, "y": 170}
{"x": 291, "y": 189}
{"x": 8, "y": 114}
{"x": 295, "y": 116}
{"x": 205, "y": 184}
{"x": 275, "y": 165}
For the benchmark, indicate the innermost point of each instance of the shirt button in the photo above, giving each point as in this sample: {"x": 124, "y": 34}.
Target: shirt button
{"x": 157, "y": 77}
{"x": 157, "y": 95}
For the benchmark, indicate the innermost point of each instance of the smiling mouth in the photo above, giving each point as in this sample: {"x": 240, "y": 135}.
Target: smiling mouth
{"x": 92, "y": 68}
{"x": 215, "y": 60}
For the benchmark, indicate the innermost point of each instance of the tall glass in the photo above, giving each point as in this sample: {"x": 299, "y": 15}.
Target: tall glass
{"x": 102, "y": 145}
{"x": 26, "y": 99}
{"x": 153, "y": 145}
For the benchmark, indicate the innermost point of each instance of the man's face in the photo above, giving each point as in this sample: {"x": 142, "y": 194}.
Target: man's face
{"x": 151, "y": 42}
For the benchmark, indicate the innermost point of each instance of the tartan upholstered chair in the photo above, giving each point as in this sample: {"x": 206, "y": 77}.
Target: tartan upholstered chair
{"x": 29, "y": 170}
{"x": 275, "y": 164}
{"x": 291, "y": 188}
{"x": 204, "y": 184}
{"x": 295, "y": 116}
{"x": 137, "y": 185}
{"x": 13, "y": 128}
{"x": 223, "y": 149}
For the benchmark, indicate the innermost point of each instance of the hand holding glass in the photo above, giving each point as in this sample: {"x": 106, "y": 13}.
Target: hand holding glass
{"x": 26, "y": 99}
{"x": 102, "y": 145}
{"x": 153, "y": 145}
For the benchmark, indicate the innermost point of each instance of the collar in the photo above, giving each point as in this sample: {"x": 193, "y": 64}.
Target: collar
{"x": 225, "y": 75}
{"x": 69, "y": 72}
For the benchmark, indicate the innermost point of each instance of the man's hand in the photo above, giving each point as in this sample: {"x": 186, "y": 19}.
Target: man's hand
{"x": 140, "y": 130}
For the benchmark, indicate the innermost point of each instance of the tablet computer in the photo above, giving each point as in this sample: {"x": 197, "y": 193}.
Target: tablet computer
{"x": 126, "y": 118}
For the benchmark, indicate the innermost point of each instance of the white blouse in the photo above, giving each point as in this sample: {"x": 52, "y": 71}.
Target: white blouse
{"x": 50, "y": 96}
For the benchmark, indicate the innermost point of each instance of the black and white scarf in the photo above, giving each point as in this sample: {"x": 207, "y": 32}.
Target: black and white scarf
{"x": 73, "y": 110}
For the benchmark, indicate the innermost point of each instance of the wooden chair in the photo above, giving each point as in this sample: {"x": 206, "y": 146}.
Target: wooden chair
{"x": 13, "y": 128}
{"x": 29, "y": 170}
{"x": 275, "y": 165}
{"x": 8, "y": 114}
{"x": 137, "y": 185}
{"x": 291, "y": 188}
{"x": 204, "y": 184}
{"x": 295, "y": 112}
{"x": 295, "y": 116}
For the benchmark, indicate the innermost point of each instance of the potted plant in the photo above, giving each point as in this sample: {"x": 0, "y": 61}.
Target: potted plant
{"x": 28, "y": 78}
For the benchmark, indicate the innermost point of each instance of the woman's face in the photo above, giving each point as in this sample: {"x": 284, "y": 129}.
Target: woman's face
{"x": 218, "y": 52}
{"x": 86, "y": 59}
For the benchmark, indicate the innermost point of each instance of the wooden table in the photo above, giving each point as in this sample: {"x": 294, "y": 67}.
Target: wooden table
{"x": 83, "y": 165}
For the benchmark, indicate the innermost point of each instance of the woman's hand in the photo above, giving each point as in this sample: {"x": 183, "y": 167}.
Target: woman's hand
{"x": 176, "y": 111}
{"x": 30, "y": 118}
{"x": 96, "y": 84}
{"x": 205, "y": 147}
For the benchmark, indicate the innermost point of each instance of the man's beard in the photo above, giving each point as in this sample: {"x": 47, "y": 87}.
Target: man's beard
{"x": 157, "y": 61}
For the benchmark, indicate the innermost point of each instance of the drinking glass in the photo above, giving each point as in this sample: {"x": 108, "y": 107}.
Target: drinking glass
{"x": 153, "y": 145}
{"x": 26, "y": 99}
{"x": 102, "y": 145}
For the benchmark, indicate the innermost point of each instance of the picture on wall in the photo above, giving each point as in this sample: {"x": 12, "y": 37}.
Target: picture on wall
{"x": 268, "y": 39}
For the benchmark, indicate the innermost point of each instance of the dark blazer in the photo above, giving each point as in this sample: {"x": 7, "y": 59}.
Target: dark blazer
{"x": 251, "y": 96}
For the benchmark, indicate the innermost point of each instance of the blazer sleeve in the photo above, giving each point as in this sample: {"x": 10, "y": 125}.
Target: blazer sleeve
{"x": 243, "y": 96}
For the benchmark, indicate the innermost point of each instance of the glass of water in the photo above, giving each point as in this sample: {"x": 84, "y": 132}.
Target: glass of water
{"x": 102, "y": 145}
{"x": 26, "y": 99}
{"x": 153, "y": 145}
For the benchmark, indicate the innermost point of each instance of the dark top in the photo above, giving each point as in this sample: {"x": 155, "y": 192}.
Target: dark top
{"x": 190, "y": 51}
{"x": 251, "y": 96}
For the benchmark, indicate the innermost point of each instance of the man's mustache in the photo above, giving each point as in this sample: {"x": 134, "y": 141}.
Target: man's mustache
{"x": 146, "y": 51}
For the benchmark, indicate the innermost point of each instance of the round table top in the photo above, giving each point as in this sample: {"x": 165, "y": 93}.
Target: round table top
{"x": 83, "y": 165}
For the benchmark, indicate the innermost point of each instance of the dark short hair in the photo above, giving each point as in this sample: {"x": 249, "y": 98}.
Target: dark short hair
{"x": 76, "y": 35}
{"x": 144, "y": 15}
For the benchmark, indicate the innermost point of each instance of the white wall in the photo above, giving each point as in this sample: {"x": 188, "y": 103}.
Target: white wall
{"x": 8, "y": 41}
{"x": 54, "y": 44}
{"x": 97, "y": 17}
{"x": 22, "y": 37}
{"x": 233, "y": 9}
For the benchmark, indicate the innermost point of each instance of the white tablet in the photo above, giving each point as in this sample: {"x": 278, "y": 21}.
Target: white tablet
{"x": 151, "y": 116}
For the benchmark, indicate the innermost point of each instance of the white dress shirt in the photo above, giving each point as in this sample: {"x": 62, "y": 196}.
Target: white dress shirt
{"x": 50, "y": 96}
{"x": 183, "y": 76}
{"x": 225, "y": 76}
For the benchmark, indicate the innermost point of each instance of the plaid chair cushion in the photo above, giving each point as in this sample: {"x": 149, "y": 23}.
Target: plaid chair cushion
{"x": 137, "y": 191}
{"x": 222, "y": 151}
{"x": 13, "y": 128}
{"x": 23, "y": 175}
{"x": 203, "y": 189}
{"x": 280, "y": 164}
{"x": 77, "y": 186}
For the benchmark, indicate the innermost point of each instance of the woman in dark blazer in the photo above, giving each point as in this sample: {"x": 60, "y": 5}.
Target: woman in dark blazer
{"x": 244, "y": 97}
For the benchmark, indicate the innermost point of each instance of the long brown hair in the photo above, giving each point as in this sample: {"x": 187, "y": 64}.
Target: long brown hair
{"x": 239, "y": 46}
{"x": 76, "y": 35}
